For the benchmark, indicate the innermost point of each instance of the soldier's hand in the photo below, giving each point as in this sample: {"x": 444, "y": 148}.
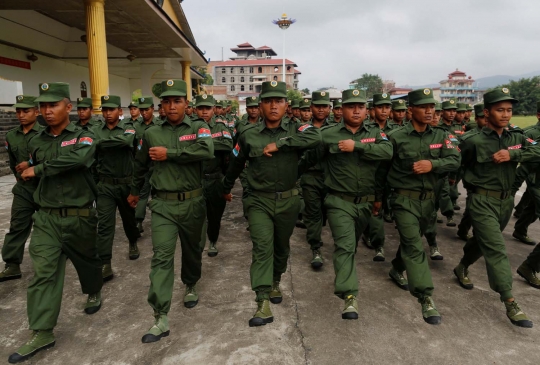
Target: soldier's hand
{"x": 227, "y": 197}
{"x": 158, "y": 153}
{"x": 501, "y": 156}
{"x": 376, "y": 208}
{"x": 346, "y": 145}
{"x": 22, "y": 166}
{"x": 422, "y": 167}
{"x": 269, "y": 149}
{"x": 28, "y": 173}
{"x": 132, "y": 200}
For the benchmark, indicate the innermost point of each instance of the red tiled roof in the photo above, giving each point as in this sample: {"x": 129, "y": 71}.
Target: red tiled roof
{"x": 457, "y": 72}
{"x": 244, "y": 45}
{"x": 297, "y": 71}
{"x": 263, "y": 47}
{"x": 265, "y": 62}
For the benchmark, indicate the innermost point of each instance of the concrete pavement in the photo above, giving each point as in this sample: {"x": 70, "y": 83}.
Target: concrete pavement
{"x": 307, "y": 329}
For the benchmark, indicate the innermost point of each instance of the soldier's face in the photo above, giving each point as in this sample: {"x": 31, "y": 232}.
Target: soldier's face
{"x": 305, "y": 114}
{"x": 408, "y": 114}
{"x": 320, "y": 112}
{"x": 189, "y": 110}
{"x": 499, "y": 114}
{"x": 480, "y": 121}
{"x": 161, "y": 112}
{"x": 382, "y": 112}
{"x": 218, "y": 110}
{"x": 449, "y": 114}
{"x": 111, "y": 115}
{"x": 147, "y": 113}
{"x": 460, "y": 116}
{"x": 468, "y": 114}
{"x": 27, "y": 116}
{"x": 372, "y": 113}
{"x": 134, "y": 112}
{"x": 84, "y": 113}
{"x": 436, "y": 117}
{"x": 296, "y": 112}
{"x": 56, "y": 113}
{"x": 398, "y": 115}
{"x": 174, "y": 107}
{"x": 338, "y": 113}
{"x": 354, "y": 114}
{"x": 423, "y": 113}
{"x": 205, "y": 112}
{"x": 253, "y": 112}
{"x": 274, "y": 108}
{"x": 289, "y": 109}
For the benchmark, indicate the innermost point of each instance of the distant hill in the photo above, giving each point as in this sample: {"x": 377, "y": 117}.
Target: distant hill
{"x": 486, "y": 82}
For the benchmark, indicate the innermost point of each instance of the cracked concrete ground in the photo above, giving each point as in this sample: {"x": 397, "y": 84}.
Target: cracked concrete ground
{"x": 307, "y": 329}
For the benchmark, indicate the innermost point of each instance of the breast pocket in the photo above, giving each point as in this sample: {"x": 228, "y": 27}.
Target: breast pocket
{"x": 483, "y": 157}
{"x": 407, "y": 159}
{"x": 435, "y": 153}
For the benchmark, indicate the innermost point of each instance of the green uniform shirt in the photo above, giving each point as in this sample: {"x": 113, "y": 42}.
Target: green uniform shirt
{"x": 91, "y": 124}
{"x": 477, "y": 151}
{"x": 279, "y": 172}
{"x": 351, "y": 173}
{"x": 62, "y": 164}
{"x": 139, "y": 119}
{"x": 188, "y": 144}
{"x": 318, "y": 166}
{"x": 454, "y": 128}
{"x": 141, "y": 127}
{"x": 223, "y": 144}
{"x": 17, "y": 146}
{"x": 410, "y": 146}
{"x": 533, "y": 131}
{"x": 114, "y": 150}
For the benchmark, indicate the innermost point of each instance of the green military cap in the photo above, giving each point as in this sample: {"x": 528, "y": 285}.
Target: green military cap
{"x": 173, "y": 88}
{"x": 110, "y": 101}
{"x": 273, "y": 89}
{"x": 399, "y": 104}
{"x": 25, "y": 101}
{"x": 499, "y": 94}
{"x": 133, "y": 104}
{"x": 449, "y": 104}
{"x": 320, "y": 98}
{"x": 382, "y": 99}
{"x": 252, "y": 101}
{"x": 461, "y": 107}
{"x": 337, "y": 103}
{"x": 204, "y": 100}
{"x": 218, "y": 103}
{"x": 421, "y": 97}
{"x": 469, "y": 107}
{"x": 305, "y": 103}
{"x": 191, "y": 104}
{"x": 353, "y": 96}
{"x": 289, "y": 102}
{"x": 145, "y": 101}
{"x": 479, "y": 110}
{"x": 84, "y": 102}
{"x": 369, "y": 105}
{"x": 438, "y": 107}
{"x": 228, "y": 102}
{"x": 295, "y": 104}
{"x": 52, "y": 92}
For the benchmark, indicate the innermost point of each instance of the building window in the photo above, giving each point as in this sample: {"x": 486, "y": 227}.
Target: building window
{"x": 260, "y": 70}
{"x": 250, "y": 87}
{"x": 232, "y": 87}
{"x": 84, "y": 92}
{"x": 241, "y": 87}
{"x": 232, "y": 70}
{"x": 251, "y": 70}
{"x": 275, "y": 78}
{"x": 288, "y": 68}
{"x": 242, "y": 79}
{"x": 251, "y": 79}
{"x": 223, "y": 70}
{"x": 223, "y": 80}
{"x": 276, "y": 69}
{"x": 232, "y": 79}
{"x": 295, "y": 76}
{"x": 241, "y": 70}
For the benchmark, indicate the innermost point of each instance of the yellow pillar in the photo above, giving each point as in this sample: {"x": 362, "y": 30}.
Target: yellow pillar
{"x": 186, "y": 76}
{"x": 97, "y": 50}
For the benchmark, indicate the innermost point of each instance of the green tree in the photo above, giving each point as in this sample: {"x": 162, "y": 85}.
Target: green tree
{"x": 373, "y": 84}
{"x": 207, "y": 78}
{"x": 235, "y": 106}
{"x": 294, "y": 95}
{"x": 527, "y": 91}
{"x": 305, "y": 91}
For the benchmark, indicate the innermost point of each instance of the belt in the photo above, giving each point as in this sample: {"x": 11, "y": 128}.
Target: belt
{"x": 115, "y": 180}
{"x": 178, "y": 196}
{"x": 68, "y": 212}
{"x": 354, "y": 199}
{"x": 418, "y": 195}
{"x": 278, "y": 195}
{"x": 493, "y": 193}
{"x": 215, "y": 175}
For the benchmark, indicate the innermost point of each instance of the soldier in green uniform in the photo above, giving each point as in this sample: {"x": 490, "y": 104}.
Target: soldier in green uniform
{"x": 489, "y": 160}
{"x": 371, "y": 112}
{"x": 214, "y": 171}
{"x": 438, "y": 115}
{"x": 421, "y": 154}
{"x": 351, "y": 152}
{"x": 115, "y": 141}
{"x": 84, "y": 111}
{"x": 272, "y": 148}
{"x": 218, "y": 108}
{"x": 23, "y": 205}
{"x": 305, "y": 110}
{"x": 176, "y": 150}
{"x": 468, "y": 112}
{"x": 146, "y": 106}
{"x": 289, "y": 109}
{"x": 134, "y": 113}
{"x": 161, "y": 113}
{"x": 337, "y": 110}
{"x": 399, "y": 108}
{"x": 65, "y": 224}
{"x": 296, "y": 109}
{"x": 190, "y": 112}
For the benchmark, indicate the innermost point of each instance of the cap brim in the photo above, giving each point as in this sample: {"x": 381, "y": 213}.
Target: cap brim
{"x": 204, "y": 103}
{"x": 110, "y": 105}
{"x": 273, "y": 94}
{"x": 24, "y": 106}
{"x": 449, "y": 108}
{"x": 49, "y": 98}
{"x": 321, "y": 102}
{"x": 355, "y": 100}
{"x": 172, "y": 93}
{"x": 504, "y": 98}
{"x": 84, "y": 106}
{"x": 383, "y": 102}
{"x": 254, "y": 104}
{"x": 144, "y": 106}
{"x": 425, "y": 101}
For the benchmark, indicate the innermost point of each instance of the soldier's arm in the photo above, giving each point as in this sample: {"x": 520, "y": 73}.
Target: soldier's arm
{"x": 450, "y": 158}
{"x": 529, "y": 151}
{"x": 311, "y": 157}
{"x": 223, "y": 140}
{"x": 306, "y": 137}
{"x": 380, "y": 150}
{"x": 80, "y": 156}
{"x": 202, "y": 149}
{"x": 126, "y": 139}
{"x": 11, "y": 155}
{"x": 141, "y": 165}
{"x": 521, "y": 174}
{"x": 236, "y": 165}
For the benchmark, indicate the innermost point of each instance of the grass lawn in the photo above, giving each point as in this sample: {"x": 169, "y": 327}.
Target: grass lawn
{"x": 523, "y": 122}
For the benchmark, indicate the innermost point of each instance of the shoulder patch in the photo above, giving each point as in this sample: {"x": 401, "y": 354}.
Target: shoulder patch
{"x": 140, "y": 144}
{"x": 236, "y": 150}
{"x": 304, "y": 127}
{"x": 86, "y": 140}
{"x": 383, "y": 135}
{"x": 204, "y": 132}
{"x": 129, "y": 131}
{"x": 68, "y": 143}
{"x": 7, "y": 145}
{"x": 227, "y": 134}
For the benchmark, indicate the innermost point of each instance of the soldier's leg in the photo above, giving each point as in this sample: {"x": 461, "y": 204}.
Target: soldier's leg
{"x": 526, "y": 218}
{"x": 523, "y": 202}
{"x": 284, "y": 221}
{"x": 49, "y": 262}
{"x": 431, "y": 230}
{"x": 533, "y": 260}
{"x": 20, "y": 226}
{"x": 376, "y": 230}
{"x": 127, "y": 213}
{"x": 445, "y": 202}
{"x": 466, "y": 223}
{"x": 215, "y": 206}
{"x": 106, "y": 210}
{"x": 140, "y": 210}
{"x": 312, "y": 194}
{"x": 192, "y": 214}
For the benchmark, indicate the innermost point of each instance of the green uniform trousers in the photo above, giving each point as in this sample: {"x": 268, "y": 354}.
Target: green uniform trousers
{"x": 173, "y": 219}
{"x": 140, "y": 210}
{"x": 347, "y": 222}
{"x": 465, "y": 224}
{"x": 443, "y": 198}
{"x": 215, "y": 206}
{"x": 454, "y": 191}
{"x": 22, "y": 209}
{"x": 271, "y": 224}
{"x": 523, "y": 202}
{"x": 529, "y": 213}
{"x": 441, "y": 189}
{"x": 489, "y": 218}
{"x": 412, "y": 219}
{"x": 313, "y": 193}
{"x": 533, "y": 260}
{"x": 109, "y": 198}
{"x": 245, "y": 189}
{"x": 54, "y": 240}
{"x": 375, "y": 230}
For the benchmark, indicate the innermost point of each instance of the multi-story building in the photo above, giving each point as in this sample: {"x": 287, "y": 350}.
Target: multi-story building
{"x": 458, "y": 86}
{"x": 244, "y": 74}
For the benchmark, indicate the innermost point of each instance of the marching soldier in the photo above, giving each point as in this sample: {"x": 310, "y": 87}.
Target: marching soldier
{"x": 337, "y": 110}
{"x": 190, "y": 112}
{"x": 305, "y": 110}
{"x": 399, "y": 109}
{"x": 161, "y": 112}
{"x": 23, "y": 205}
{"x": 84, "y": 111}
{"x": 296, "y": 110}
{"x": 134, "y": 113}
{"x": 176, "y": 150}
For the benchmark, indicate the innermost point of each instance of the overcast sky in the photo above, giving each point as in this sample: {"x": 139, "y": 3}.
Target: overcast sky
{"x": 412, "y": 42}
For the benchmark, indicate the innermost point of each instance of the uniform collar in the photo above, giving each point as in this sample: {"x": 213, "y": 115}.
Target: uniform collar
{"x": 342, "y": 125}
{"x": 186, "y": 120}
{"x": 410, "y": 129}
{"x": 70, "y": 128}
{"x": 262, "y": 126}
{"x": 488, "y": 132}
{"x": 121, "y": 125}
{"x": 35, "y": 127}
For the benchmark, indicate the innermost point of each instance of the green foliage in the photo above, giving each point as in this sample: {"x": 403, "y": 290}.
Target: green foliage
{"x": 527, "y": 91}
{"x": 234, "y": 106}
{"x": 207, "y": 78}
{"x": 373, "y": 84}
{"x": 294, "y": 95}
{"x": 136, "y": 95}
{"x": 306, "y": 91}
